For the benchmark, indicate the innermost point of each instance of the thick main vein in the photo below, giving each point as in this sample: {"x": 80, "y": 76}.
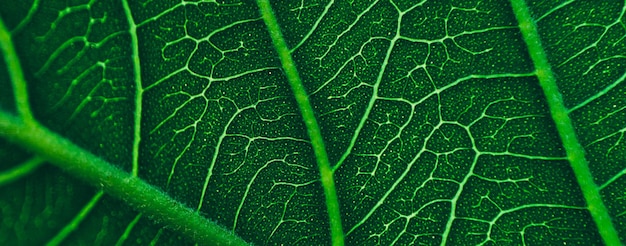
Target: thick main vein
{"x": 313, "y": 129}
{"x": 575, "y": 152}
{"x": 114, "y": 181}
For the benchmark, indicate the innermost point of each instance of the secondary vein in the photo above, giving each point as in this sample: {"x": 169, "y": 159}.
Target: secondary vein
{"x": 313, "y": 129}
{"x": 21, "y": 170}
{"x": 138, "y": 86}
{"x": 17, "y": 75}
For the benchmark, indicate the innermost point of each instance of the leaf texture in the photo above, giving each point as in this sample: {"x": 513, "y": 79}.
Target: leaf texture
{"x": 435, "y": 124}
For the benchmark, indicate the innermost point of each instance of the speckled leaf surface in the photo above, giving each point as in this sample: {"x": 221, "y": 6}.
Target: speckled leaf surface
{"x": 436, "y": 127}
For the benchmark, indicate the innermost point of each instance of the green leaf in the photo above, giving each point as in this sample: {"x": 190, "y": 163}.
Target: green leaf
{"x": 432, "y": 122}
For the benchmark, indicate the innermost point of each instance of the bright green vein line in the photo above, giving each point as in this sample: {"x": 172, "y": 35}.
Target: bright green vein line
{"x": 129, "y": 228}
{"x": 137, "y": 193}
{"x": 138, "y": 86}
{"x": 21, "y": 170}
{"x": 33, "y": 9}
{"x": 16, "y": 74}
{"x": 302, "y": 98}
{"x": 575, "y": 152}
{"x": 56, "y": 240}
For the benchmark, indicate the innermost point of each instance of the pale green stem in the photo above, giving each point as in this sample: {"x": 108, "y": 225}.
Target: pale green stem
{"x": 302, "y": 98}
{"x": 16, "y": 74}
{"x": 115, "y": 182}
{"x": 575, "y": 152}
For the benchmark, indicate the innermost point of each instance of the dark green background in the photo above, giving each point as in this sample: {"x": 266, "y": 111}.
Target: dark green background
{"x": 456, "y": 129}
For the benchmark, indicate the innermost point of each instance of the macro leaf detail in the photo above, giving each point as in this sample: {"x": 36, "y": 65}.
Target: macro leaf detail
{"x": 432, "y": 113}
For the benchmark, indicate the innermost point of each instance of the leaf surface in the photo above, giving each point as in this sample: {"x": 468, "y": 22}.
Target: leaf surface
{"x": 435, "y": 124}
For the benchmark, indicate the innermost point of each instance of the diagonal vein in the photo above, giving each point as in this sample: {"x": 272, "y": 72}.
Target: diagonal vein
{"x": 15, "y": 72}
{"x": 313, "y": 129}
{"x": 21, "y": 170}
{"x": 75, "y": 222}
{"x": 115, "y": 182}
{"x": 575, "y": 152}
